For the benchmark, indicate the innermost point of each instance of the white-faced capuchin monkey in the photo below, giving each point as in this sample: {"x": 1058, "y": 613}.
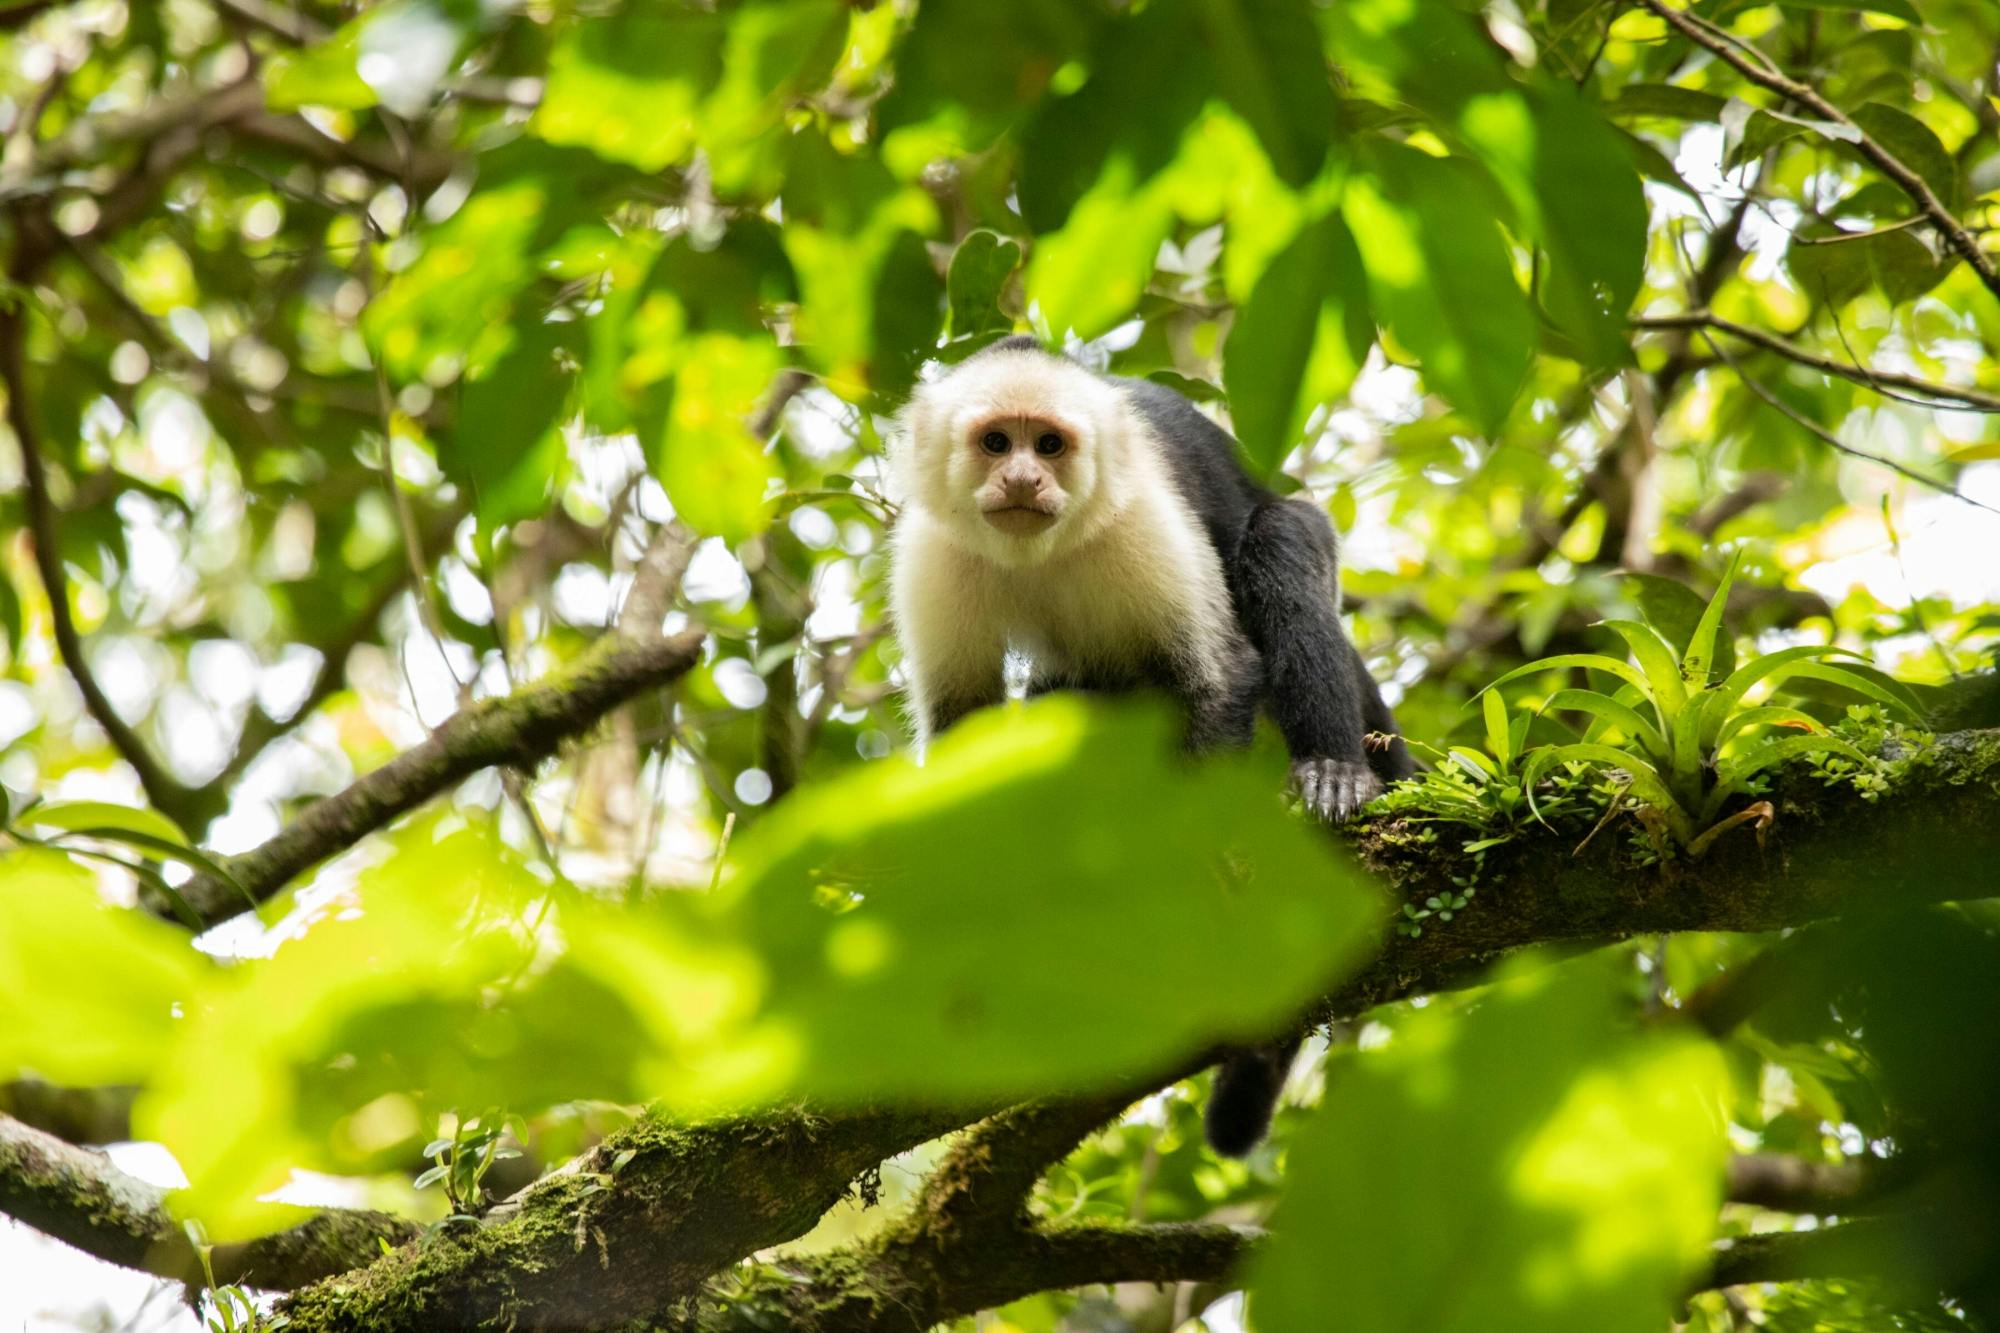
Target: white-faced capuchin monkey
{"x": 1105, "y": 528}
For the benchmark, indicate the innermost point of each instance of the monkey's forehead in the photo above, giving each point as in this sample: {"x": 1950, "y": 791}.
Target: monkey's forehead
{"x": 1017, "y": 385}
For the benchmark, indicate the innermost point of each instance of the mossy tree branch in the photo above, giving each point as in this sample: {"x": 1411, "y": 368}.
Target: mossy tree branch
{"x": 613, "y": 1238}
{"x": 1830, "y": 852}
{"x": 79, "y": 1197}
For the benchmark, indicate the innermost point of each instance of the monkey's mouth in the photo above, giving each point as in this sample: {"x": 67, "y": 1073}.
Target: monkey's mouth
{"x": 1020, "y": 520}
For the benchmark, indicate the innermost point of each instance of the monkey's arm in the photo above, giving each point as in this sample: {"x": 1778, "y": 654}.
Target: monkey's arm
{"x": 953, "y": 650}
{"x": 1283, "y": 580}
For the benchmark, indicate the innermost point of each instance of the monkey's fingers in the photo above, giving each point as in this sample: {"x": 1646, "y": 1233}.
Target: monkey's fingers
{"x": 1335, "y": 789}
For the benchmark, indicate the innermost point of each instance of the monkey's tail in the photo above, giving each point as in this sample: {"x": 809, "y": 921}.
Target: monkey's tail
{"x": 1245, "y": 1096}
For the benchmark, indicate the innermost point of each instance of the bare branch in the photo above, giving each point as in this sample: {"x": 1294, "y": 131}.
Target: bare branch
{"x": 656, "y": 581}
{"x": 1834, "y": 442}
{"x": 1976, "y": 399}
{"x": 519, "y": 730}
{"x": 1764, "y": 74}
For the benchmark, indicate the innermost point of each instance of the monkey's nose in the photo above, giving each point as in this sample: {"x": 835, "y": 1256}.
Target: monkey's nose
{"x": 1024, "y": 491}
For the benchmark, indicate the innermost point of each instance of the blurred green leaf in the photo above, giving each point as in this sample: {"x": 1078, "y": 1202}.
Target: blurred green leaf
{"x": 892, "y": 971}
{"x": 871, "y": 303}
{"x": 1591, "y": 214}
{"x": 1912, "y": 143}
{"x": 506, "y": 446}
{"x": 979, "y": 271}
{"x": 352, "y": 1039}
{"x": 89, "y": 993}
{"x": 1268, "y": 66}
{"x": 1089, "y": 275}
{"x": 716, "y": 472}
{"x": 454, "y": 303}
{"x": 1440, "y": 278}
{"x": 90, "y": 816}
{"x": 630, "y": 87}
{"x": 649, "y": 83}
{"x": 973, "y": 64}
{"x": 1529, "y": 1161}
{"x": 1666, "y": 100}
{"x": 1078, "y": 145}
{"x": 1299, "y": 341}
{"x": 1900, "y": 9}
{"x": 320, "y": 75}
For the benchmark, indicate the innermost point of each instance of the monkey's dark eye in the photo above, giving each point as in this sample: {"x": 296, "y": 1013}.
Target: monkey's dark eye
{"x": 1048, "y": 446}
{"x": 994, "y": 442}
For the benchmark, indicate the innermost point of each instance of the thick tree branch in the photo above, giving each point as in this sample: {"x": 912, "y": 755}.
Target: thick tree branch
{"x": 80, "y": 1198}
{"x": 1793, "y": 1185}
{"x": 1920, "y": 1251}
{"x": 979, "y": 1190}
{"x": 642, "y": 1239}
{"x": 1828, "y": 365}
{"x": 519, "y": 730}
{"x": 895, "y": 1286}
{"x": 609, "y": 1242}
{"x": 1766, "y": 75}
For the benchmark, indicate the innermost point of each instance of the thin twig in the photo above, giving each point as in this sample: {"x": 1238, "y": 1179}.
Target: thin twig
{"x": 1974, "y": 399}
{"x": 1834, "y": 442}
{"x": 162, "y": 789}
{"x": 1840, "y": 237}
{"x": 1869, "y": 377}
{"x": 1916, "y": 598}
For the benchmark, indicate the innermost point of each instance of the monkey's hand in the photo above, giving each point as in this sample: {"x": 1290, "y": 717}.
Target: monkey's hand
{"x": 1335, "y": 789}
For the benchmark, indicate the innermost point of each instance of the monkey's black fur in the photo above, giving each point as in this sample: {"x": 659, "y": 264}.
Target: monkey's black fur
{"x": 1281, "y": 560}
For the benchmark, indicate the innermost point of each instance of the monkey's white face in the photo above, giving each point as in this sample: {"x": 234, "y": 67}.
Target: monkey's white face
{"x": 1011, "y": 452}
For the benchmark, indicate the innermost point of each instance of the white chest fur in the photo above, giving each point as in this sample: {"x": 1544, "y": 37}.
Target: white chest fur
{"x": 1137, "y": 593}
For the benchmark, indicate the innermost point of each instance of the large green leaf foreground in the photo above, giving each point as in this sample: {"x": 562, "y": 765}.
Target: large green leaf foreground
{"x": 867, "y": 949}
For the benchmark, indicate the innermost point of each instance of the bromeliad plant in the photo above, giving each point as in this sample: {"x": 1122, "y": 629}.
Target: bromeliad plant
{"x": 1687, "y": 741}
